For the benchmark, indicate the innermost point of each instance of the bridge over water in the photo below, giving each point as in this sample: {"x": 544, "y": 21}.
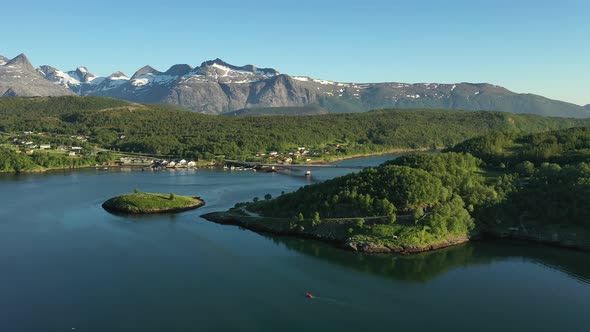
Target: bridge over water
{"x": 291, "y": 166}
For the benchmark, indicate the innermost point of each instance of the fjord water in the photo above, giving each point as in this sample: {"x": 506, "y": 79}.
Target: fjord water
{"x": 65, "y": 264}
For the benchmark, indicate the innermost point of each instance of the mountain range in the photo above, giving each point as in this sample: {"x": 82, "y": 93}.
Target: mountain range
{"x": 218, "y": 87}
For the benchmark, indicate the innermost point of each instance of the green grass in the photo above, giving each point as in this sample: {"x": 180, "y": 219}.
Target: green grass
{"x": 150, "y": 202}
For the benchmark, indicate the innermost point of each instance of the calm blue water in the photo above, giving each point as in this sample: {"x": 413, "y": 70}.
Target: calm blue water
{"x": 66, "y": 263}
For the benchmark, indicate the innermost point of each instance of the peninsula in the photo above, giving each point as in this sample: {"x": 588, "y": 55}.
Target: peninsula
{"x": 503, "y": 185}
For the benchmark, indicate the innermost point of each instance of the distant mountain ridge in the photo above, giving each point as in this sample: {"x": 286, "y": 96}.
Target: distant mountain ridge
{"x": 217, "y": 87}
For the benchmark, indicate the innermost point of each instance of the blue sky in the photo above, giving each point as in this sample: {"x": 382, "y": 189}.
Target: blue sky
{"x": 540, "y": 47}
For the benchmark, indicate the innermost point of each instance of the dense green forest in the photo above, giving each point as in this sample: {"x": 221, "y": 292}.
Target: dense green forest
{"x": 293, "y": 110}
{"x": 158, "y": 129}
{"x": 417, "y": 199}
{"x": 509, "y": 149}
{"x": 424, "y": 200}
{"x": 11, "y": 161}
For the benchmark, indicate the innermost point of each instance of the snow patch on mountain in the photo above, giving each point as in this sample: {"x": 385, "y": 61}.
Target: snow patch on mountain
{"x": 221, "y": 72}
{"x": 118, "y": 76}
{"x": 150, "y": 79}
{"x": 59, "y": 77}
{"x": 65, "y": 79}
{"x": 301, "y": 78}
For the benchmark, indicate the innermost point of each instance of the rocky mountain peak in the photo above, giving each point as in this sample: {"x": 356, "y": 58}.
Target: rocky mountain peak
{"x": 145, "y": 70}
{"x": 19, "y": 78}
{"x": 21, "y": 61}
{"x": 82, "y": 74}
{"x": 221, "y": 65}
{"x": 45, "y": 69}
{"x": 217, "y": 61}
{"x": 118, "y": 76}
{"x": 3, "y": 60}
{"x": 179, "y": 70}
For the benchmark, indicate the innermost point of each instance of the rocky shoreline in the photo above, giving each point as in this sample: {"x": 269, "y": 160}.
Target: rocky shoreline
{"x": 364, "y": 246}
{"x": 554, "y": 239}
{"x": 371, "y": 247}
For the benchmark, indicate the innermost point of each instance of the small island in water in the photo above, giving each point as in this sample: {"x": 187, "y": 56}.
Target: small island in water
{"x": 148, "y": 203}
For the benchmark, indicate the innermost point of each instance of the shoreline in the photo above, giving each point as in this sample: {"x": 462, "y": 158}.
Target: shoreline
{"x": 52, "y": 169}
{"x": 313, "y": 162}
{"x": 372, "y": 154}
{"x": 225, "y": 218}
{"x": 538, "y": 239}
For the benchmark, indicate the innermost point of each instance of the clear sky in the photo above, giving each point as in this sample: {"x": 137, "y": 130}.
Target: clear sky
{"x": 541, "y": 47}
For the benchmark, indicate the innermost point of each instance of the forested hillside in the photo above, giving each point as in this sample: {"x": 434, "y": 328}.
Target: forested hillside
{"x": 158, "y": 129}
{"x": 423, "y": 201}
{"x": 265, "y": 111}
{"x": 504, "y": 149}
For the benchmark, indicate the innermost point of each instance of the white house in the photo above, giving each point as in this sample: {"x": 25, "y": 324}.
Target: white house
{"x": 44, "y": 146}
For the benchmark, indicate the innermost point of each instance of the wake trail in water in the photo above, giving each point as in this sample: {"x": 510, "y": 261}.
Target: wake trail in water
{"x": 353, "y": 304}
{"x": 335, "y": 301}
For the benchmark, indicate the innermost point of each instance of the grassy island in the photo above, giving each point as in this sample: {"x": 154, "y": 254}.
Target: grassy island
{"x": 145, "y": 203}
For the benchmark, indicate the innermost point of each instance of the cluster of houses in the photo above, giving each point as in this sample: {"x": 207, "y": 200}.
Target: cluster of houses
{"x": 286, "y": 158}
{"x": 29, "y": 147}
{"x": 80, "y": 138}
{"x": 173, "y": 164}
{"x": 137, "y": 160}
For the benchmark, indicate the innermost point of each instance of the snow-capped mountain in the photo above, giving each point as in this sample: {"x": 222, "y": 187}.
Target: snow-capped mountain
{"x": 19, "y": 78}
{"x": 82, "y": 75}
{"x": 67, "y": 80}
{"x": 79, "y": 81}
{"x": 217, "y": 87}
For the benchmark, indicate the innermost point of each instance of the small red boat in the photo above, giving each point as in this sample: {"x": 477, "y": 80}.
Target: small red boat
{"x": 309, "y": 295}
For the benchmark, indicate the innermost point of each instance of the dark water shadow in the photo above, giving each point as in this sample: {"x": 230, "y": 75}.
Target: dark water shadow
{"x": 148, "y": 217}
{"x": 424, "y": 267}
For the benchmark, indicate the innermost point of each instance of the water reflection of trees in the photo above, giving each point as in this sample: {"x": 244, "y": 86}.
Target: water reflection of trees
{"x": 427, "y": 266}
